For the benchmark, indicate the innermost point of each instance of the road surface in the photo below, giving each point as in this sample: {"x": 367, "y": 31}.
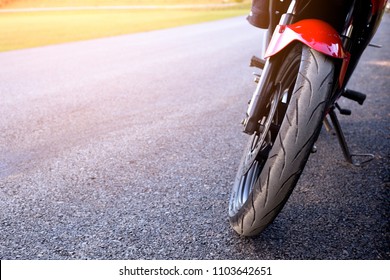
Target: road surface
{"x": 127, "y": 147}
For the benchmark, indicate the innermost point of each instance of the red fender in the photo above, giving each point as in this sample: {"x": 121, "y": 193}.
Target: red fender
{"x": 314, "y": 33}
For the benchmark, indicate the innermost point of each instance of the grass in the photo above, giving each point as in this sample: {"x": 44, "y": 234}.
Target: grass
{"x": 33, "y": 29}
{"x": 73, "y": 3}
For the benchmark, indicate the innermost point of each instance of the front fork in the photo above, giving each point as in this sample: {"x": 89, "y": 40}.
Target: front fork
{"x": 263, "y": 90}
{"x": 257, "y": 102}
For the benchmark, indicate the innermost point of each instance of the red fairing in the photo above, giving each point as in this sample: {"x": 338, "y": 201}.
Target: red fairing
{"x": 314, "y": 33}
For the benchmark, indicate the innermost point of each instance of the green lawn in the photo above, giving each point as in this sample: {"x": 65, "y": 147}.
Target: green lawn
{"x": 72, "y": 3}
{"x": 32, "y": 29}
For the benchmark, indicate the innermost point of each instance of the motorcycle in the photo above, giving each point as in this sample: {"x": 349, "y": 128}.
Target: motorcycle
{"x": 313, "y": 48}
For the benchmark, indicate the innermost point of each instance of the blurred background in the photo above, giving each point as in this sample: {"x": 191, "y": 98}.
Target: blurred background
{"x": 32, "y": 23}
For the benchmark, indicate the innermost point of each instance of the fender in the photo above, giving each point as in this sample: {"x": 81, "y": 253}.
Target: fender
{"x": 314, "y": 33}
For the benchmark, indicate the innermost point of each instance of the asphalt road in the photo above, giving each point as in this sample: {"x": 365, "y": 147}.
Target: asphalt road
{"x": 126, "y": 148}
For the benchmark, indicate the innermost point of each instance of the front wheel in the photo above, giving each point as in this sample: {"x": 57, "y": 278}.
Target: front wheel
{"x": 278, "y": 151}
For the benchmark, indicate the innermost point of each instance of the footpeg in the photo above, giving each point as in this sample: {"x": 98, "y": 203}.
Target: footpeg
{"x": 354, "y": 95}
{"x": 257, "y": 62}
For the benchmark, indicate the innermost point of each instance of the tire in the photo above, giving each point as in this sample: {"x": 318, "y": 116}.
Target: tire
{"x": 277, "y": 153}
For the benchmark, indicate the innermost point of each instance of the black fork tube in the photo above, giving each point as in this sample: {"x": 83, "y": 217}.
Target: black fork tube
{"x": 264, "y": 88}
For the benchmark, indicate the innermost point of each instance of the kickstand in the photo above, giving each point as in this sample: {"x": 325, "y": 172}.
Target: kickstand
{"x": 344, "y": 146}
